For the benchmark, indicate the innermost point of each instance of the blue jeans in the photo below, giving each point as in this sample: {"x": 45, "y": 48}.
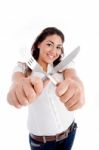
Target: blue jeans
{"x": 65, "y": 144}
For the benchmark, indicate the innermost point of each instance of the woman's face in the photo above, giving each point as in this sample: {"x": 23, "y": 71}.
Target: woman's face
{"x": 50, "y": 49}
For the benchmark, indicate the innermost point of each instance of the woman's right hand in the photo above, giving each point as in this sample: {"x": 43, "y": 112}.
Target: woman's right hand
{"x": 24, "y": 91}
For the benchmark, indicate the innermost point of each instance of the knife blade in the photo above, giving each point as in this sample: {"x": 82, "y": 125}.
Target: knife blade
{"x": 69, "y": 58}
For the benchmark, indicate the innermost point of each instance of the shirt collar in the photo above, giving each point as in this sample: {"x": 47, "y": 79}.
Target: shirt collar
{"x": 49, "y": 68}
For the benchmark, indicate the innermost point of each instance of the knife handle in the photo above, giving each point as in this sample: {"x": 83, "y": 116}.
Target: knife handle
{"x": 48, "y": 76}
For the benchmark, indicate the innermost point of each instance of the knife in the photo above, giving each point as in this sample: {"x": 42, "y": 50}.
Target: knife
{"x": 69, "y": 58}
{"x": 62, "y": 65}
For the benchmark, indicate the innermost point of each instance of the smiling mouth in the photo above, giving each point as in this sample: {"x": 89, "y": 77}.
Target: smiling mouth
{"x": 51, "y": 57}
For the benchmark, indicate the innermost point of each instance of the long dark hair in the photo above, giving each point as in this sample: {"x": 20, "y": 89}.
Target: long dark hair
{"x": 41, "y": 37}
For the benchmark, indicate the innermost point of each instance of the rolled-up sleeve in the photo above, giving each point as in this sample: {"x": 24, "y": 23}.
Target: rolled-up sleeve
{"x": 20, "y": 67}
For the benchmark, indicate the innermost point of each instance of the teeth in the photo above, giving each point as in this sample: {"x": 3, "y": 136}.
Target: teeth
{"x": 50, "y": 56}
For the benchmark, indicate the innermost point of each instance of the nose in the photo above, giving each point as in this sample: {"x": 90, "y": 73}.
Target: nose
{"x": 53, "y": 49}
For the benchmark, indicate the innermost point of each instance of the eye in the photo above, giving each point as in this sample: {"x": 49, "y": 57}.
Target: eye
{"x": 59, "y": 48}
{"x": 49, "y": 44}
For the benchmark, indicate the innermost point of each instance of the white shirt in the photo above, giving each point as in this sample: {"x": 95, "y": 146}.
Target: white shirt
{"x": 47, "y": 115}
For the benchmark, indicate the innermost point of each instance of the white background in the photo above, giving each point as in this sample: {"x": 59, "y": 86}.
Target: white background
{"x": 20, "y": 22}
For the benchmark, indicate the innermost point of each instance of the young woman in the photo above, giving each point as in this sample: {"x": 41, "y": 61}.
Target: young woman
{"x": 50, "y": 119}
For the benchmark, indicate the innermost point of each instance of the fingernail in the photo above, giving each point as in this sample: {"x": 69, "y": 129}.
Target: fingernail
{"x": 18, "y": 106}
{"x": 61, "y": 92}
{"x": 26, "y": 102}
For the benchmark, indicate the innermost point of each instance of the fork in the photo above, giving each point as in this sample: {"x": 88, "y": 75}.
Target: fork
{"x": 32, "y": 64}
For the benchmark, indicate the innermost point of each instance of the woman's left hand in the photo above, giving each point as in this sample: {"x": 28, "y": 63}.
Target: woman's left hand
{"x": 71, "y": 91}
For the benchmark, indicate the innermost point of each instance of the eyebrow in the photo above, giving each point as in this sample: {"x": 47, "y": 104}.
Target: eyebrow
{"x": 53, "y": 43}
